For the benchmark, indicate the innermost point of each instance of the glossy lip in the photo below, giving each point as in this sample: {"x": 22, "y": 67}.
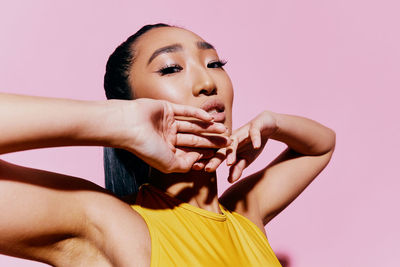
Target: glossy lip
{"x": 215, "y": 104}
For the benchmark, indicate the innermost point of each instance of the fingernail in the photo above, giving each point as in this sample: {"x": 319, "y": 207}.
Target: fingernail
{"x": 221, "y": 127}
{"x": 231, "y": 158}
{"x": 209, "y": 116}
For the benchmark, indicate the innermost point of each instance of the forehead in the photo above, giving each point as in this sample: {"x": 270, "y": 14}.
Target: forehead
{"x": 160, "y": 37}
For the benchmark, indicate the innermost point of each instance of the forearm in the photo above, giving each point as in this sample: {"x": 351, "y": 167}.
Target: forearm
{"x": 28, "y": 122}
{"x": 303, "y": 135}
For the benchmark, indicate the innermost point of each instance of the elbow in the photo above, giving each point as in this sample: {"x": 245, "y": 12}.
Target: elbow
{"x": 325, "y": 144}
{"x": 332, "y": 140}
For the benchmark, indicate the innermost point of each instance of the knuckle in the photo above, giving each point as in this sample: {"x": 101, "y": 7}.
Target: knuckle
{"x": 253, "y": 127}
{"x": 194, "y": 140}
{"x": 235, "y": 144}
{"x": 234, "y": 140}
{"x": 222, "y": 152}
{"x": 169, "y": 168}
{"x": 214, "y": 160}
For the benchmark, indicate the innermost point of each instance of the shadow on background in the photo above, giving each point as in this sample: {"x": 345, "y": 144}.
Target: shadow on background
{"x": 284, "y": 259}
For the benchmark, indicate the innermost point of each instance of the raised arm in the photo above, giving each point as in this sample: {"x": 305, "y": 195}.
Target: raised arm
{"x": 152, "y": 129}
{"x": 29, "y": 122}
{"x": 264, "y": 194}
{"x": 46, "y": 215}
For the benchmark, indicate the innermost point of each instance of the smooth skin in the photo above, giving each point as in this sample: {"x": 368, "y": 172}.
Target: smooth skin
{"x": 56, "y": 218}
{"x": 90, "y": 227}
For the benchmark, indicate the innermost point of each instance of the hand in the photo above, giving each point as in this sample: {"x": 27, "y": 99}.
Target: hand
{"x": 153, "y": 131}
{"x": 248, "y": 142}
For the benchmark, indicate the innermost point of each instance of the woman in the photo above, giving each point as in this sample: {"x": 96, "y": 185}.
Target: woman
{"x": 176, "y": 218}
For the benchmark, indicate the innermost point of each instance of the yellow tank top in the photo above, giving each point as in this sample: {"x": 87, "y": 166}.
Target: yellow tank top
{"x": 185, "y": 235}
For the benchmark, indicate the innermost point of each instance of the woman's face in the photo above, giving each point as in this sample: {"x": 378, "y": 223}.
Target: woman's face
{"x": 176, "y": 65}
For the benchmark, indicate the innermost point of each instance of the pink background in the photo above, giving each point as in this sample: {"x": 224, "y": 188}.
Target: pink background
{"x": 337, "y": 62}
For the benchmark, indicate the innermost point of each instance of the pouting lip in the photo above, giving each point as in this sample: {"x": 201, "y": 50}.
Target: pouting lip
{"x": 213, "y": 104}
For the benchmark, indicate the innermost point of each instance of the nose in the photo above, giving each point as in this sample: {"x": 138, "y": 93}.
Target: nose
{"x": 204, "y": 84}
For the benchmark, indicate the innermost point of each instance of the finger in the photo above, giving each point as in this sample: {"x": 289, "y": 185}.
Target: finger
{"x": 204, "y": 141}
{"x": 232, "y": 151}
{"x": 199, "y": 127}
{"x": 199, "y": 165}
{"x": 206, "y": 153}
{"x": 255, "y": 137}
{"x": 184, "y": 161}
{"x": 236, "y": 171}
{"x": 214, "y": 162}
{"x": 171, "y": 146}
{"x": 189, "y": 111}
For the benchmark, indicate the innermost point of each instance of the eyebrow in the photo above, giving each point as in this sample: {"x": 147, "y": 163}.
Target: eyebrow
{"x": 204, "y": 45}
{"x": 178, "y": 47}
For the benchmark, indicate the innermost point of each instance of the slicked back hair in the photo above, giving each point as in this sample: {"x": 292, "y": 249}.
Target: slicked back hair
{"x": 124, "y": 172}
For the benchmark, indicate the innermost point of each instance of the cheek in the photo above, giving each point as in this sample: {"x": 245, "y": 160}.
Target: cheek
{"x": 155, "y": 88}
{"x": 226, "y": 88}
{"x": 228, "y": 95}
{"x": 151, "y": 85}
{"x": 230, "y": 90}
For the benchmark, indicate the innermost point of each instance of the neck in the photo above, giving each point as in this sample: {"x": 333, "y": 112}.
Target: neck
{"x": 198, "y": 188}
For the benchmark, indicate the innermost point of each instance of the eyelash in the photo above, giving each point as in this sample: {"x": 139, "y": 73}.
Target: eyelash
{"x": 169, "y": 69}
{"x": 219, "y": 63}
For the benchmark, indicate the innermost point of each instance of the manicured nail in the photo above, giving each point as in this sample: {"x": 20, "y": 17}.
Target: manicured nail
{"x": 196, "y": 167}
{"x": 256, "y": 145}
{"x": 221, "y": 127}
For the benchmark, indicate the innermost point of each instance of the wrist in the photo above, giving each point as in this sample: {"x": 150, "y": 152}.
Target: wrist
{"x": 98, "y": 124}
{"x": 281, "y": 129}
{"x": 271, "y": 124}
{"x": 121, "y": 122}
{"x": 110, "y": 128}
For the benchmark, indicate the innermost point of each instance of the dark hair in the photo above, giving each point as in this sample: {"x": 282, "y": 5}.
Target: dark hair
{"x": 124, "y": 172}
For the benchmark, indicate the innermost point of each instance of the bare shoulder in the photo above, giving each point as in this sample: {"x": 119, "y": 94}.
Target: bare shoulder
{"x": 240, "y": 198}
{"x": 66, "y": 221}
